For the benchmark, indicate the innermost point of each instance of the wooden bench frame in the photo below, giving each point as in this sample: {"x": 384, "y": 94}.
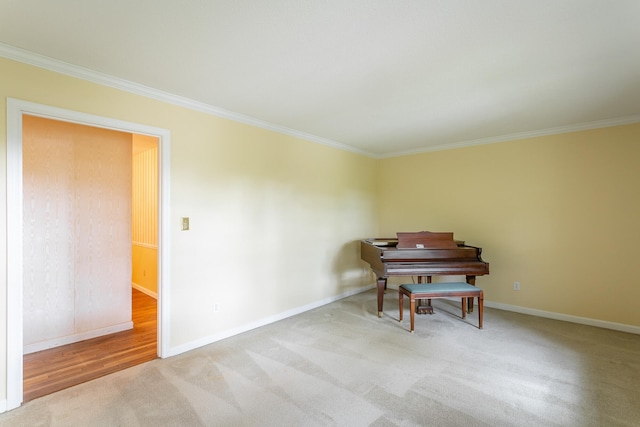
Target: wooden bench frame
{"x": 418, "y": 291}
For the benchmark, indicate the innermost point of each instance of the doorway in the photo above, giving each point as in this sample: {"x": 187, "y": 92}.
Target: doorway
{"x": 16, "y": 110}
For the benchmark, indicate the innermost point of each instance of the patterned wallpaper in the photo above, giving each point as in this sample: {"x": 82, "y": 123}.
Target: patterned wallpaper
{"x": 77, "y": 229}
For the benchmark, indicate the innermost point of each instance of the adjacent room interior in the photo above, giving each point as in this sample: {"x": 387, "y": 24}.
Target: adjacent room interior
{"x": 91, "y": 243}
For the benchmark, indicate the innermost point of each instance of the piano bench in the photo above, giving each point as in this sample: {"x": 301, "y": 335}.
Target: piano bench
{"x": 418, "y": 291}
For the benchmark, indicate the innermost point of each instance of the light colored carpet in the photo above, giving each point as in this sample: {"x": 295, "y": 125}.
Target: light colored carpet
{"x": 341, "y": 365}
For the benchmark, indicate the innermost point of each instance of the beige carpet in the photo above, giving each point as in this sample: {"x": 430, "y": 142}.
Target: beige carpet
{"x": 340, "y": 365}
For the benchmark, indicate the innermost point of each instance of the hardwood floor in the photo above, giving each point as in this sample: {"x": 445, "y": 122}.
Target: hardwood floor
{"x": 52, "y": 370}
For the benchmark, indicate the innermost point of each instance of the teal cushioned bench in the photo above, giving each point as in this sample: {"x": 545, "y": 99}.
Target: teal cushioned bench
{"x": 418, "y": 291}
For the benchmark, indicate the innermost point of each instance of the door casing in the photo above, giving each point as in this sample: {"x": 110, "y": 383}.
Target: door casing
{"x": 15, "y": 110}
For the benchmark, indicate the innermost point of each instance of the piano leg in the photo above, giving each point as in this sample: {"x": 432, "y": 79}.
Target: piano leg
{"x": 472, "y": 281}
{"x": 423, "y": 308}
{"x": 382, "y": 285}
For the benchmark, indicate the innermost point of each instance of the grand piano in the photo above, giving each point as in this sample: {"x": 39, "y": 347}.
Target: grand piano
{"x": 421, "y": 254}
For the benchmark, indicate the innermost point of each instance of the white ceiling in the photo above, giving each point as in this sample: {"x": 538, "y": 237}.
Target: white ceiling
{"x": 380, "y": 77}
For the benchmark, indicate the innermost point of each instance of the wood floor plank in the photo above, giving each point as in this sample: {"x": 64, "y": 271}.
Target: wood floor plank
{"x": 55, "y": 369}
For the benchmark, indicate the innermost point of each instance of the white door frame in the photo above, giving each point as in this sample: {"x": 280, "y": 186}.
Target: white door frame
{"x": 15, "y": 110}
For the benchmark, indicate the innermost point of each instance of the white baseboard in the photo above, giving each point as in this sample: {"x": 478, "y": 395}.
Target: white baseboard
{"x": 56, "y": 342}
{"x": 565, "y": 317}
{"x": 261, "y": 322}
{"x": 271, "y": 319}
{"x": 144, "y": 290}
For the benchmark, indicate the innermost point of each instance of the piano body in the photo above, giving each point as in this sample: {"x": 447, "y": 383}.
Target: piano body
{"x": 421, "y": 254}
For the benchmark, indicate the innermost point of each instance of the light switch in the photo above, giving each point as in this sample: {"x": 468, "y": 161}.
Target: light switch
{"x": 185, "y": 223}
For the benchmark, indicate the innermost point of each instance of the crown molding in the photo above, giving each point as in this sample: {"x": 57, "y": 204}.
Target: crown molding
{"x": 41, "y": 61}
{"x": 61, "y": 67}
{"x": 522, "y": 135}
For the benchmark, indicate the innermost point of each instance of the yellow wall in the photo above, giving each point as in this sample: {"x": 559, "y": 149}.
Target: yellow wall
{"x": 274, "y": 219}
{"x": 144, "y": 273}
{"x": 560, "y": 214}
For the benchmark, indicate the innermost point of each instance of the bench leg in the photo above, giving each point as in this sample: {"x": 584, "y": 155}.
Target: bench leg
{"x": 464, "y": 308}
{"x": 400, "y": 305}
{"x": 412, "y": 312}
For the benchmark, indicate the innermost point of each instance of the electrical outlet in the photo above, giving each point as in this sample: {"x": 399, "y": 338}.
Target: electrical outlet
{"x": 185, "y": 223}
{"x": 516, "y": 286}
{"x": 216, "y": 308}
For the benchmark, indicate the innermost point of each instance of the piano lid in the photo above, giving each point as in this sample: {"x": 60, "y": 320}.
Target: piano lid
{"x": 426, "y": 240}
